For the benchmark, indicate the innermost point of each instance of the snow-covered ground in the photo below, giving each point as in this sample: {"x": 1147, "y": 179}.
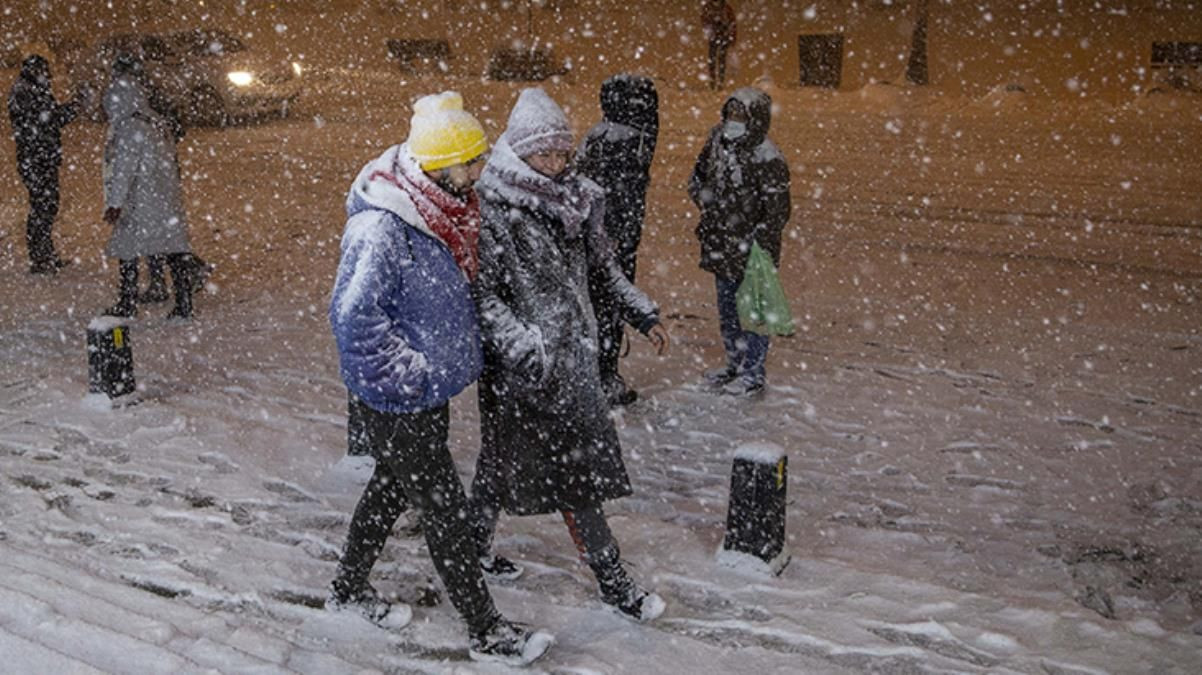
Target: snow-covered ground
{"x": 992, "y": 413}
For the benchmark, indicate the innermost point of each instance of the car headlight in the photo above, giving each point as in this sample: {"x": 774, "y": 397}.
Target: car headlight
{"x": 241, "y": 78}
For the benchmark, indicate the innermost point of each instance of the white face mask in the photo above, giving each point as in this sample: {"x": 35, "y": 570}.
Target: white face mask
{"x": 732, "y": 130}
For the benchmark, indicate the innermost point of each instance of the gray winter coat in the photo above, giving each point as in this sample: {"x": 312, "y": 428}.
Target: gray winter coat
{"x": 545, "y": 426}
{"x": 141, "y": 178}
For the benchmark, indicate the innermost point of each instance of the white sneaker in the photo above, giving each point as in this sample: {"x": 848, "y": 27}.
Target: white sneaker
{"x": 640, "y": 605}
{"x": 369, "y": 605}
{"x": 509, "y": 643}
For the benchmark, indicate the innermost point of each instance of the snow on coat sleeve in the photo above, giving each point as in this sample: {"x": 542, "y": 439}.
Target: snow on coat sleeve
{"x": 121, "y": 156}
{"x": 775, "y": 200}
{"x": 377, "y": 361}
{"x": 521, "y": 346}
{"x": 699, "y": 192}
{"x": 636, "y": 308}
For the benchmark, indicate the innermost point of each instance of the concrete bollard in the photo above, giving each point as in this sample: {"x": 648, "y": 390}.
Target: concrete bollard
{"x": 755, "y": 520}
{"x": 110, "y": 357}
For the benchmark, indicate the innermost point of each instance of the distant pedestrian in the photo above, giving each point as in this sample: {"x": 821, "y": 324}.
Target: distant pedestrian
{"x": 547, "y": 441}
{"x": 741, "y": 185}
{"x": 617, "y": 154}
{"x": 37, "y": 125}
{"x": 142, "y": 193}
{"x": 408, "y": 341}
{"x": 719, "y": 23}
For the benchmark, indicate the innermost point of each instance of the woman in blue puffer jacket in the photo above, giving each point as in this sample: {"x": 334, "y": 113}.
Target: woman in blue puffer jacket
{"x": 408, "y": 341}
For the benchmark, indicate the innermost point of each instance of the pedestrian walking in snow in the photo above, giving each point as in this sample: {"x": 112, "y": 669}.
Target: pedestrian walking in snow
{"x": 719, "y": 23}
{"x": 408, "y": 341}
{"x": 617, "y": 154}
{"x": 142, "y": 195}
{"x": 741, "y": 185}
{"x": 37, "y": 126}
{"x": 547, "y": 441}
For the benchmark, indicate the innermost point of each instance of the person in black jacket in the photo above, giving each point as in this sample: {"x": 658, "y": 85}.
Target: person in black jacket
{"x": 741, "y": 185}
{"x": 37, "y": 124}
{"x": 617, "y": 154}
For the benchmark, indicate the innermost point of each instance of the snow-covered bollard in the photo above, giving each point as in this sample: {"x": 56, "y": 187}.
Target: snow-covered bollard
{"x": 755, "y": 519}
{"x": 110, "y": 358}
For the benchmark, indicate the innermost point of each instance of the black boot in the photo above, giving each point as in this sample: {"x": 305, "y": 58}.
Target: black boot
{"x": 127, "y": 302}
{"x": 181, "y": 281}
{"x": 156, "y": 290}
{"x": 620, "y": 592}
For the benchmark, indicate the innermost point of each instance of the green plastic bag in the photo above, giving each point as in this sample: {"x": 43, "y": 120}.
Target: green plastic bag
{"x": 760, "y": 299}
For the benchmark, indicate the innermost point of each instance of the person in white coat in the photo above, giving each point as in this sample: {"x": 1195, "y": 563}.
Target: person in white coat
{"x": 142, "y": 195}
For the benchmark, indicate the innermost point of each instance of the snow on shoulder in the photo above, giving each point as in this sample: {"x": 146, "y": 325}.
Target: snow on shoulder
{"x": 760, "y": 452}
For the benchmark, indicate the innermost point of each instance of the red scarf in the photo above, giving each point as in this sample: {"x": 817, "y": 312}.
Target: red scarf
{"x": 456, "y": 222}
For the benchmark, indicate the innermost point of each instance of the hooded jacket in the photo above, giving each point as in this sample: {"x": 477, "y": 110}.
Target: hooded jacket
{"x": 741, "y": 186}
{"x": 545, "y": 427}
{"x": 37, "y": 119}
{"x": 401, "y": 310}
{"x": 617, "y": 154}
{"x": 141, "y": 177}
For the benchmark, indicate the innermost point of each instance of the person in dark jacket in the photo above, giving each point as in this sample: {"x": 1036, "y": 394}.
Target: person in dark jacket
{"x": 718, "y": 20}
{"x": 408, "y": 341}
{"x": 617, "y": 154}
{"x": 37, "y": 124}
{"x": 741, "y": 185}
{"x": 547, "y": 443}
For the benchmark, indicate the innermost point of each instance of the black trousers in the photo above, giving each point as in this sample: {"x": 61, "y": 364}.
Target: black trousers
{"x": 42, "y": 185}
{"x": 414, "y": 466}
{"x": 609, "y": 321}
{"x": 717, "y": 64}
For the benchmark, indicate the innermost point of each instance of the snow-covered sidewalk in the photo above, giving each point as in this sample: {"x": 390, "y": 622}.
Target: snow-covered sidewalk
{"x": 994, "y": 454}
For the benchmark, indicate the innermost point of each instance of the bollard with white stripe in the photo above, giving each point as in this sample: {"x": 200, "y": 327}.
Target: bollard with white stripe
{"x": 755, "y": 520}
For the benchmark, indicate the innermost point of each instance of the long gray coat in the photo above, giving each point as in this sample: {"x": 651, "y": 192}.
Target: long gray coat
{"x": 547, "y": 442}
{"x": 141, "y": 178}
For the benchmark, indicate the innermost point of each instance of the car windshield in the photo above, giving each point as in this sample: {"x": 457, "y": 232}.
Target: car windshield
{"x": 208, "y": 43}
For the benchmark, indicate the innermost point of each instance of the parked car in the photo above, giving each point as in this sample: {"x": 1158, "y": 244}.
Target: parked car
{"x": 208, "y": 76}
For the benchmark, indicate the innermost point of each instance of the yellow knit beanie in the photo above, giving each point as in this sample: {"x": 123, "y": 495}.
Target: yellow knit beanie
{"x": 442, "y": 133}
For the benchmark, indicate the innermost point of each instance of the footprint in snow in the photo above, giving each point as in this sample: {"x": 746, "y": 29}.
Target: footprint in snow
{"x": 288, "y": 491}
{"x": 218, "y": 461}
